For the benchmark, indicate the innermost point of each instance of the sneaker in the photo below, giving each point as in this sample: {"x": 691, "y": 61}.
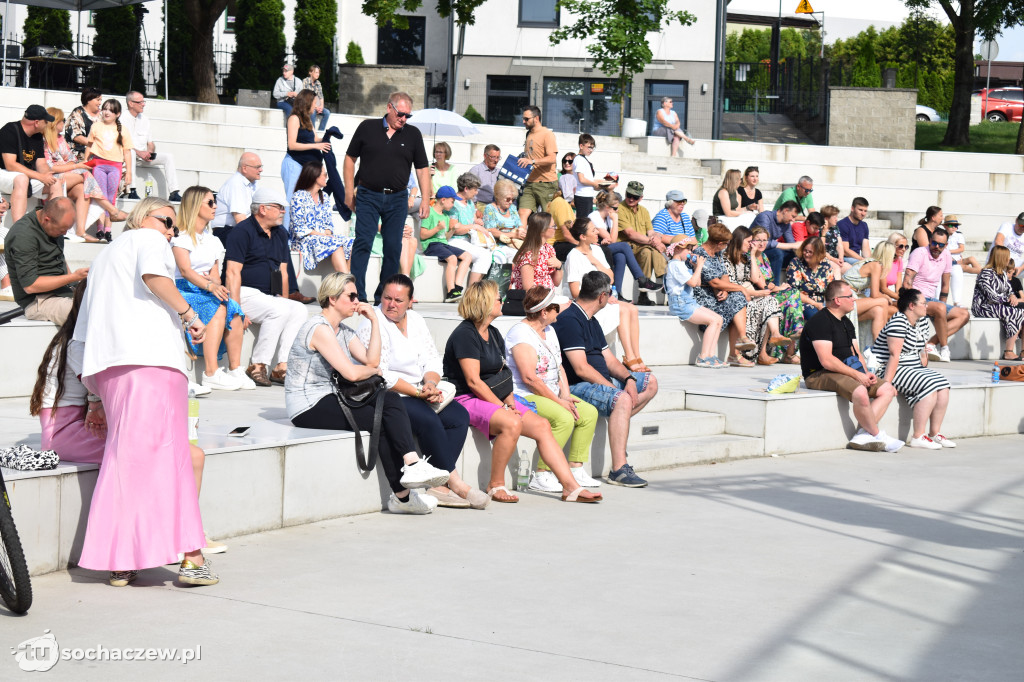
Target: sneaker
{"x": 625, "y": 476}
{"x": 584, "y": 479}
{"x": 198, "y": 389}
{"x": 892, "y": 444}
{"x": 6, "y": 294}
{"x": 943, "y": 441}
{"x": 544, "y": 482}
{"x": 933, "y": 351}
{"x": 175, "y": 196}
{"x": 122, "y": 578}
{"x": 864, "y": 441}
{"x": 454, "y": 295}
{"x": 213, "y": 547}
{"x": 423, "y": 475}
{"x": 133, "y": 195}
{"x": 221, "y": 381}
{"x": 925, "y": 443}
{"x": 944, "y": 354}
{"x": 649, "y": 285}
{"x": 244, "y": 382}
{"x": 190, "y": 574}
{"x": 413, "y": 504}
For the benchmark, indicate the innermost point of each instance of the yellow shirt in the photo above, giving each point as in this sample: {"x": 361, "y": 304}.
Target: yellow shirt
{"x": 103, "y": 141}
{"x": 540, "y": 142}
{"x": 561, "y": 212}
{"x": 639, "y": 221}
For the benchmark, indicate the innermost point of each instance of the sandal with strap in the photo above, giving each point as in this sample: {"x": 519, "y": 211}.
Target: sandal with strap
{"x": 739, "y": 361}
{"x": 636, "y": 364}
{"x": 574, "y": 496}
{"x": 1012, "y": 355}
{"x": 508, "y": 499}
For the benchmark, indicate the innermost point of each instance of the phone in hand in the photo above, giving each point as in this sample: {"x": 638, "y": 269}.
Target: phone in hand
{"x": 239, "y": 431}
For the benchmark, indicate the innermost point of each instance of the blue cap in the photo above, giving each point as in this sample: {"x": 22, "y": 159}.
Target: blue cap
{"x": 446, "y": 192}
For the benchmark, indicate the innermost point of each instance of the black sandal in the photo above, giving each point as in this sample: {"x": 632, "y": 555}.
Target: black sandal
{"x": 1012, "y": 356}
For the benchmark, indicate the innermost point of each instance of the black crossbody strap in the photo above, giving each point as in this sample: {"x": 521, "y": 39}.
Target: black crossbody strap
{"x": 365, "y": 465}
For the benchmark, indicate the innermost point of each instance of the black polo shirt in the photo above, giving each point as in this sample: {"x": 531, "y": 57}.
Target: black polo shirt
{"x": 261, "y": 256}
{"x": 576, "y": 331}
{"x": 27, "y": 149}
{"x": 385, "y": 161}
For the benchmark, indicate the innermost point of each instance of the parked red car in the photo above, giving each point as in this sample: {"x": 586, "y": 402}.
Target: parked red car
{"x": 1002, "y": 104}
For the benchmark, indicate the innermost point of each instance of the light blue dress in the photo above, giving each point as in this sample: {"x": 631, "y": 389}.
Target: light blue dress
{"x": 309, "y": 216}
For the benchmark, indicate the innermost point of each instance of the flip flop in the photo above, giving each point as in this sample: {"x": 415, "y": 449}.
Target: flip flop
{"x": 510, "y": 499}
{"x": 574, "y": 496}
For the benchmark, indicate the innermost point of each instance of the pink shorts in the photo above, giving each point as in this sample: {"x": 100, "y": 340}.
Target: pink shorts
{"x": 481, "y": 411}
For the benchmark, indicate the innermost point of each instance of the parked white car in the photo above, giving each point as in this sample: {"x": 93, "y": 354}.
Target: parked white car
{"x": 926, "y": 114}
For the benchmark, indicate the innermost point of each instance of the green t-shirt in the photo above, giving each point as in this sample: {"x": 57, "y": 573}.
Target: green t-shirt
{"x": 430, "y": 222}
{"x": 789, "y": 194}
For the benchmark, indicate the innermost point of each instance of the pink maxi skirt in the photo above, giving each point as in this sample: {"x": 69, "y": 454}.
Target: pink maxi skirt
{"x": 64, "y": 432}
{"x": 145, "y": 510}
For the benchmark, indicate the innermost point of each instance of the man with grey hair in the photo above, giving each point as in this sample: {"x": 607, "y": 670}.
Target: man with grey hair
{"x": 285, "y": 89}
{"x": 487, "y": 172}
{"x": 801, "y": 194}
{"x": 145, "y": 156}
{"x": 386, "y": 148}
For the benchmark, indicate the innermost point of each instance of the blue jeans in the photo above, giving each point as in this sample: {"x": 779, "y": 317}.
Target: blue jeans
{"x": 390, "y": 210}
{"x": 285, "y": 107}
{"x": 778, "y": 259}
{"x": 323, "y": 118}
{"x": 621, "y": 256}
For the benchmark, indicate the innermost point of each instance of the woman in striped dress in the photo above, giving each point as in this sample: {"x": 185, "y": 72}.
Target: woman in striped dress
{"x": 993, "y": 297}
{"x": 899, "y": 348}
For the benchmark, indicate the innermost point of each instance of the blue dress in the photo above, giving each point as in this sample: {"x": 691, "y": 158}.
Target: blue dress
{"x": 206, "y": 305}
{"x": 310, "y": 216}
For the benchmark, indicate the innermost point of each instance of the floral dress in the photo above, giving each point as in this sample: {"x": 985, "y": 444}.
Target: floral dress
{"x": 309, "y": 216}
{"x": 831, "y": 239}
{"x": 78, "y": 125}
{"x": 810, "y": 282}
{"x": 714, "y": 267}
{"x": 64, "y": 155}
{"x": 792, "y": 323}
{"x": 542, "y": 269}
{"x": 504, "y": 222}
{"x": 991, "y": 299}
{"x": 759, "y": 310}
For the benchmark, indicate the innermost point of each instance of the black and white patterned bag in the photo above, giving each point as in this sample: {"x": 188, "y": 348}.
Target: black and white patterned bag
{"x": 24, "y": 458}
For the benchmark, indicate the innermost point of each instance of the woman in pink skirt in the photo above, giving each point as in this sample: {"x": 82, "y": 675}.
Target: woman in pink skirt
{"x": 145, "y": 510}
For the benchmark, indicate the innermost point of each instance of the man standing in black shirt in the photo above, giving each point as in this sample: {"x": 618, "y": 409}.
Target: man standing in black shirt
{"x": 830, "y": 361}
{"x": 386, "y": 148}
{"x": 23, "y": 168}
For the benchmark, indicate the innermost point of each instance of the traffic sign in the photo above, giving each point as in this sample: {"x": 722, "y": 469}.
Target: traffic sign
{"x": 804, "y": 8}
{"x": 988, "y": 49}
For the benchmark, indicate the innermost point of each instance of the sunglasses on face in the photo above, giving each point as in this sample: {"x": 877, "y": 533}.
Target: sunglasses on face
{"x": 804, "y": 189}
{"x": 212, "y": 203}
{"x": 351, "y": 296}
{"x": 167, "y": 221}
{"x": 401, "y": 114}
{"x": 938, "y": 245}
{"x": 900, "y": 247}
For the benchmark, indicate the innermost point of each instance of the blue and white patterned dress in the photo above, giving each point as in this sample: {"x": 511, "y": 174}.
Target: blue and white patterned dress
{"x": 308, "y": 216}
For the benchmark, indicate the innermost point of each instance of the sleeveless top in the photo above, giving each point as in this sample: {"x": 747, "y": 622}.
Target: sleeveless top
{"x": 716, "y": 203}
{"x": 914, "y": 245}
{"x": 304, "y": 156}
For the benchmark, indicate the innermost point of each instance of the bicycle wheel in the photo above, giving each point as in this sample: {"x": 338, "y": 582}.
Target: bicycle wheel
{"x": 15, "y": 586}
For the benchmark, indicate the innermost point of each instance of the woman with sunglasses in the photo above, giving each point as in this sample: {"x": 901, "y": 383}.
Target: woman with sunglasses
{"x": 198, "y": 255}
{"x": 890, "y": 258}
{"x": 145, "y": 507}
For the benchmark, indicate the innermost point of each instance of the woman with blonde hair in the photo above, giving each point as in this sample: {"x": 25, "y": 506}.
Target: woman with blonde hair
{"x": 441, "y": 171}
{"x": 198, "y": 255}
{"x": 993, "y": 297}
{"x": 727, "y": 199}
{"x": 886, "y": 255}
{"x": 501, "y": 221}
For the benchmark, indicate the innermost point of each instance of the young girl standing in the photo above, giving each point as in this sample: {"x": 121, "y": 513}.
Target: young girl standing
{"x": 679, "y": 283}
{"x": 108, "y": 149}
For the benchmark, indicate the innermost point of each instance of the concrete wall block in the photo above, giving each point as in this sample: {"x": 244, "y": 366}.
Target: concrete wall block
{"x": 35, "y": 504}
{"x": 855, "y": 117}
{"x": 75, "y": 499}
{"x": 364, "y": 89}
{"x": 243, "y": 492}
{"x": 316, "y": 473}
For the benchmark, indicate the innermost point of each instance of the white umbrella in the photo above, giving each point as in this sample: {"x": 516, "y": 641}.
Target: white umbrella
{"x": 442, "y": 122}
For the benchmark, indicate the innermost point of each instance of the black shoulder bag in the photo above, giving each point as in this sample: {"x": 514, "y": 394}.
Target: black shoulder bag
{"x": 352, "y": 394}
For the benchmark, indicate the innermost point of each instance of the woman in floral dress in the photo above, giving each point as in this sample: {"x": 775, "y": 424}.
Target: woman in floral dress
{"x": 501, "y": 220}
{"x": 792, "y": 321}
{"x": 809, "y": 273}
{"x": 723, "y": 296}
{"x": 311, "y": 229}
{"x": 763, "y": 312}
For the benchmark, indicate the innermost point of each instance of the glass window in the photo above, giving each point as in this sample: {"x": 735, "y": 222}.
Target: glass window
{"x": 655, "y": 90}
{"x": 538, "y": 13}
{"x": 402, "y": 46}
{"x": 507, "y": 96}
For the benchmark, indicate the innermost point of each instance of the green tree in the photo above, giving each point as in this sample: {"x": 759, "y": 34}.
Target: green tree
{"x": 387, "y": 11}
{"x": 866, "y": 72}
{"x": 117, "y": 37}
{"x": 473, "y": 116}
{"x": 180, "y": 71}
{"x": 615, "y": 32}
{"x": 46, "y": 26}
{"x": 259, "y": 45}
{"x": 354, "y": 53}
{"x": 314, "y": 42}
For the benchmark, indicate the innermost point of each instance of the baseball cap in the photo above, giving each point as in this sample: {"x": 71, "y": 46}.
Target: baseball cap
{"x": 1020, "y": 218}
{"x": 635, "y": 188}
{"x": 36, "y": 112}
{"x": 700, "y": 218}
{"x": 265, "y": 196}
{"x": 446, "y": 192}
{"x": 675, "y": 195}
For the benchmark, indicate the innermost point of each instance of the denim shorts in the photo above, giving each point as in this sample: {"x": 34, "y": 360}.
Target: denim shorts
{"x": 604, "y": 397}
{"x": 936, "y": 300}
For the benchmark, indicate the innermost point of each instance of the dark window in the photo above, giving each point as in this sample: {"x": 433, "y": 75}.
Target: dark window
{"x": 507, "y": 96}
{"x": 1011, "y": 95}
{"x": 402, "y": 46}
{"x": 543, "y": 13}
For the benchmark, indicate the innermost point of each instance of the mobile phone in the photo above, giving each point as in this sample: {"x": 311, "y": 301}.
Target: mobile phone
{"x": 239, "y": 431}
{"x": 152, "y": 156}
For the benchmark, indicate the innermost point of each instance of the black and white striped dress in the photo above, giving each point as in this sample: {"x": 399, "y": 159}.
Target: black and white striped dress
{"x": 912, "y": 379}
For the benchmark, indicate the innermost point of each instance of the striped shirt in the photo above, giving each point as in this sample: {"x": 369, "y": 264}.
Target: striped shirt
{"x": 914, "y": 339}
{"x": 665, "y": 224}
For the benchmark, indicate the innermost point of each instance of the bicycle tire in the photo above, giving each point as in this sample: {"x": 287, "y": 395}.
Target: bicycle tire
{"x": 15, "y": 585}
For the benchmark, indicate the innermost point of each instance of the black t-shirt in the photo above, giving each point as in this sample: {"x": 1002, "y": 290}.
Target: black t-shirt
{"x": 261, "y": 256}
{"x": 385, "y": 161}
{"x": 825, "y": 326}
{"x": 466, "y": 342}
{"x": 26, "y": 148}
{"x": 577, "y": 332}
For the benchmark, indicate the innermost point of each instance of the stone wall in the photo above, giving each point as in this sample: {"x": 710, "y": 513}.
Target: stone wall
{"x": 363, "y": 89}
{"x": 872, "y": 117}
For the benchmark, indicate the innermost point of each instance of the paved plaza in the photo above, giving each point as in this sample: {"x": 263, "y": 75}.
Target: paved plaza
{"x": 825, "y": 566}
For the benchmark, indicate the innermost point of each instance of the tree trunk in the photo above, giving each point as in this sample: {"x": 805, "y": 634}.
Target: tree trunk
{"x": 958, "y": 130}
{"x": 202, "y": 16}
{"x": 1020, "y": 138}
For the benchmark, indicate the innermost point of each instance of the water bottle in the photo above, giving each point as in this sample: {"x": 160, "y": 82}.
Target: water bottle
{"x": 149, "y": 187}
{"x": 615, "y": 292}
{"x": 193, "y": 418}
{"x": 523, "y": 473}
{"x": 995, "y": 373}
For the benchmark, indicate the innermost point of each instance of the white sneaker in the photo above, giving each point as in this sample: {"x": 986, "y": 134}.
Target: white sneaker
{"x": 198, "y": 389}
{"x": 413, "y": 504}
{"x": 925, "y": 443}
{"x": 943, "y": 441}
{"x": 584, "y": 479}
{"x": 933, "y": 351}
{"x": 870, "y": 361}
{"x": 426, "y": 498}
{"x": 891, "y": 444}
{"x": 221, "y": 380}
{"x": 423, "y": 475}
{"x": 544, "y": 482}
{"x": 244, "y": 382}
{"x": 943, "y": 354}
{"x": 862, "y": 440}
{"x": 6, "y": 294}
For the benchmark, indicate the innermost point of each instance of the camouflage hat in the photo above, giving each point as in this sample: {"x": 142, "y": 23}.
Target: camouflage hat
{"x": 635, "y": 188}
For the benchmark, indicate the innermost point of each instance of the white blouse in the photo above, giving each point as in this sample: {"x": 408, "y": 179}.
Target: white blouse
{"x": 404, "y": 357}
{"x": 204, "y": 254}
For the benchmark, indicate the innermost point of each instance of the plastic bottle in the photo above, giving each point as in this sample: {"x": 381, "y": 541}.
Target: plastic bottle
{"x": 149, "y": 187}
{"x": 995, "y": 373}
{"x": 193, "y": 418}
{"x": 523, "y": 472}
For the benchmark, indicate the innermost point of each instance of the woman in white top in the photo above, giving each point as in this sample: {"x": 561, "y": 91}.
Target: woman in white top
{"x": 411, "y": 367}
{"x": 618, "y": 314}
{"x": 535, "y": 358}
{"x": 666, "y": 124}
{"x": 198, "y": 255}
{"x": 145, "y": 508}
{"x": 605, "y": 218}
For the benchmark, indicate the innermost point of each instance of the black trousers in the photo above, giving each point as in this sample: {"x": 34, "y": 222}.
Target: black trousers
{"x": 441, "y": 435}
{"x": 396, "y": 432}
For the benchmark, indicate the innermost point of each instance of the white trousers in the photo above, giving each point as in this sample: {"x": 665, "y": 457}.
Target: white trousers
{"x": 956, "y": 287}
{"x": 481, "y": 254}
{"x": 279, "y": 320}
{"x": 162, "y": 160}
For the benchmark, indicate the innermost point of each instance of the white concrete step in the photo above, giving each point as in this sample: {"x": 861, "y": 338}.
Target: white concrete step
{"x": 655, "y": 427}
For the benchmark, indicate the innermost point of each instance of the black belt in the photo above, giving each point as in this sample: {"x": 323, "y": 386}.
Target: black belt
{"x": 383, "y": 190}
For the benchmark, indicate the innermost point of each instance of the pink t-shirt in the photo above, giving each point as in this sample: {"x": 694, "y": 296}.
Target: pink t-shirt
{"x": 929, "y": 270}
{"x": 895, "y": 275}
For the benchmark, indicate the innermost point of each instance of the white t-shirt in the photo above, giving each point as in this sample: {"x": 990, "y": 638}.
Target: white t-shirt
{"x": 549, "y": 355}
{"x": 582, "y": 168}
{"x": 403, "y": 357}
{"x": 121, "y": 321}
{"x": 955, "y": 241}
{"x": 1013, "y": 241}
{"x": 204, "y": 254}
{"x": 577, "y": 265}
{"x": 138, "y": 128}
{"x": 74, "y": 392}
{"x": 234, "y": 196}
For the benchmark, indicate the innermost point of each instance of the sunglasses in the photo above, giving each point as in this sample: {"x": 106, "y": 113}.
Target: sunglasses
{"x": 167, "y": 221}
{"x": 808, "y": 191}
{"x": 352, "y": 296}
{"x": 900, "y": 247}
{"x": 938, "y": 245}
{"x": 212, "y": 203}
{"x": 401, "y": 114}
